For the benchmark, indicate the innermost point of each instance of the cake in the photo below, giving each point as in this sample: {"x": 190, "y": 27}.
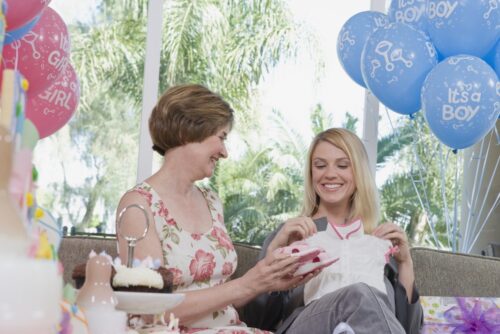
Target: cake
{"x": 144, "y": 276}
{"x": 142, "y": 279}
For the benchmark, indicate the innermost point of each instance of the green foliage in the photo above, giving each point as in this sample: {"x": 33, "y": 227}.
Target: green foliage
{"x": 320, "y": 119}
{"x": 423, "y": 193}
{"x": 351, "y": 122}
{"x": 225, "y": 45}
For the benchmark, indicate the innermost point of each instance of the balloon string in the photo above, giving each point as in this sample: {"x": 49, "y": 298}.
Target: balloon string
{"x": 421, "y": 124}
{"x": 493, "y": 207}
{"x": 477, "y": 183}
{"x": 16, "y": 59}
{"x": 490, "y": 183}
{"x": 413, "y": 181}
{"x": 422, "y": 180}
{"x": 443, "y": 192}
{"x": 432, "y": 155}
{"x": 471, "y": 200}
{"x": 455, "y": 204}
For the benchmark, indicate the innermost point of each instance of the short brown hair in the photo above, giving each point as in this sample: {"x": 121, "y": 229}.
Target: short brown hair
{"x": 186, "y": 114}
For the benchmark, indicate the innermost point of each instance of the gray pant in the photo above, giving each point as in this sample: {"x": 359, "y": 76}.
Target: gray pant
{"x": 364, "y": 308}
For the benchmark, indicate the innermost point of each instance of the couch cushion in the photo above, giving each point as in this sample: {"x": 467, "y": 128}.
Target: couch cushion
{"x": 247, "y": 258}
{"x": 441, "y": 273}
{"x": 75, "y": 250}
{"x": 437, "y": 273}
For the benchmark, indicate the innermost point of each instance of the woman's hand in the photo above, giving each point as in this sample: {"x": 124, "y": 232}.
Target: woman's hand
{"x": 397, "y": 236}
{"x": 275, "y": 273}
{"x": 394, "y": 233}
{"x": 294, "y": 229}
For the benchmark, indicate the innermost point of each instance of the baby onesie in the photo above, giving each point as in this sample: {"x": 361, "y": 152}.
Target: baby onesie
{"x": 362, "y": 259}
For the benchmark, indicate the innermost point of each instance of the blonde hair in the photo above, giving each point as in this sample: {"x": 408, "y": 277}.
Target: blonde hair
{"x": 364, "y": 201}
{"x": 186, "y": 114}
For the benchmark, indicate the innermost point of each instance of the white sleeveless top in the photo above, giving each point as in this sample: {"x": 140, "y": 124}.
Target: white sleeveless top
{"x": 362, "y": 259}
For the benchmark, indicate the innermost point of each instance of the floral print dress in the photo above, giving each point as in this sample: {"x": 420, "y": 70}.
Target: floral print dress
{"x": 198, "y": 260}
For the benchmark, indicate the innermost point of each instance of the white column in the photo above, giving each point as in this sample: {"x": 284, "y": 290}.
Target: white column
{"x": 370, "y": 128}
{"x": 150, "y": 86}
{"x": 371, "y": 110}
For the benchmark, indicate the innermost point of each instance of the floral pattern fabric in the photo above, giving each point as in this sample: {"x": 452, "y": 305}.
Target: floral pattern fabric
{"x": 198, "y": 260}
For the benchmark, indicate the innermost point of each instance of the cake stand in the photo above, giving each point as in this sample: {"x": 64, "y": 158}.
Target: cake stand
{"x": 147, "y": 302}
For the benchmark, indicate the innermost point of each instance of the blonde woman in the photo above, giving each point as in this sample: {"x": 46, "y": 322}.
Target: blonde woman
{"x": 352, "y": 294}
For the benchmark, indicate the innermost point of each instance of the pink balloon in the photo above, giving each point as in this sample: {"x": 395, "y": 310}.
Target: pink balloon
{"x": 50, "y": 109}
{"x": 42, "y": 54}
{"x": 20, "y": 12}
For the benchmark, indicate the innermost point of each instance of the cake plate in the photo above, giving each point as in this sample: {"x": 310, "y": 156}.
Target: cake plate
{"x": 147, "y": 302}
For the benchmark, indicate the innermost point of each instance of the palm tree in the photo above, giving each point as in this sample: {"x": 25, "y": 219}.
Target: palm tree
{"x": 225, "y": 45}
{"x": 419, "y": 196}
{"x": 264, "y": 187}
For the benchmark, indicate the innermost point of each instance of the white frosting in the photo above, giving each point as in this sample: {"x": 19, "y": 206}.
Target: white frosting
{"x": 138, "y": 276}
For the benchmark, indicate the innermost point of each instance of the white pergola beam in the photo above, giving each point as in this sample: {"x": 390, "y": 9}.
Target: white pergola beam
{"x": 371, "y": 110}
{"x": 150, "y": 86}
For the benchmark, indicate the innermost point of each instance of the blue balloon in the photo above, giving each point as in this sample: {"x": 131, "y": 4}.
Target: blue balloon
{"x": 411, "y": 12}
{"x": 352, "y": 38}
{"x": 496, "y": 59}
{"x": 493, "y": 58}
{"x": 461, "y": 100}
{"x": 463, "y": 26}
{"x": 16, "y": 34}
{"x": 394, "y": 63}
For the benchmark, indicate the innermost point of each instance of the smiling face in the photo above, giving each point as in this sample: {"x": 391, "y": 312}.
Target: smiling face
{"x": 210, "y": 150}
{"x": 332, "y": 176}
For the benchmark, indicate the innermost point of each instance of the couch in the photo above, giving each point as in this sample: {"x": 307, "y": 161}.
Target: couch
{"x": 437, "y": 273}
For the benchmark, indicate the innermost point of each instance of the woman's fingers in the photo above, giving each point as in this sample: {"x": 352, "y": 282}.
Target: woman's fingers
{"x": 310, "y": 226}
{"x": 293, "y": 230}
{"x": 394, "y": 233}
{"x": 296, "y": 232}
{"x": 280, "y": 273}
{"x": 304, "y": 226}
{"x": 280, "y": 261}
{"x": 303, "y": 279}
{"x": 306, "y": 278}
{"x": 385, "y": 231}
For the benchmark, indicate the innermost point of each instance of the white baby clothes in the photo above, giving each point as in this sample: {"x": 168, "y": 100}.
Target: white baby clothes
{"x": 362, "y": 259}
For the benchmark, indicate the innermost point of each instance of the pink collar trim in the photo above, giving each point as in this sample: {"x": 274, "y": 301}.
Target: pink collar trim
{"x": 345, "y": 231}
